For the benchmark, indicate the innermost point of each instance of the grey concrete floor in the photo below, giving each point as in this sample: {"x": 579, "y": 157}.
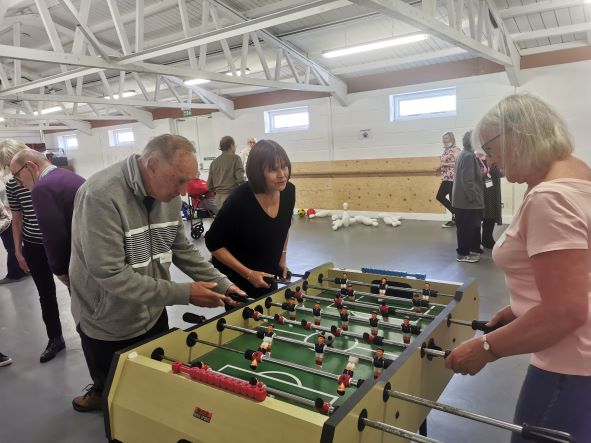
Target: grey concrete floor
{"x": 35, "y": 399}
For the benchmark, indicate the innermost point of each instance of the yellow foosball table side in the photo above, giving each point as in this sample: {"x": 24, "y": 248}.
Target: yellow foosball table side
{"x": 146, "y": 402}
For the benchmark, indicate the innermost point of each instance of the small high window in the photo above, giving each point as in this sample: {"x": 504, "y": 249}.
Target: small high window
{"x": 285, "y": 120}
{"x": 423, "y": 104}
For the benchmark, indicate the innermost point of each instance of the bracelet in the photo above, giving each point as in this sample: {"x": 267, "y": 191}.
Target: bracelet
{"x": 285, "y": 251}
{"x": 248, "y": 276}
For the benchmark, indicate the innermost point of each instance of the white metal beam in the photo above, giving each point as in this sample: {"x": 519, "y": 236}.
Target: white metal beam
{"x": 33, "y": 128}
{"x": 539, "y": 7}
{"x": 83, "y": 27}
{"x": 105, "y": 101}
{"x": 399, "y": 10}
{"x": 81, "y": 126}
{"x": 551, "y": 32}
{"x": 224, "y": 105}
{"x": 551, "y": 48}
{"x": 514, "y": 70}
{"x": 339, "y": 88}
{"x": 139, "y": 25}
{"x": 94, "y": 65}
{"x": 62, "y": 117}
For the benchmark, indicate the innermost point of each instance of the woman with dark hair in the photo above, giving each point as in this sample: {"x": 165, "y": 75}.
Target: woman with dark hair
{"x": 492, "y": 214}
{"x": 248, "y": 238}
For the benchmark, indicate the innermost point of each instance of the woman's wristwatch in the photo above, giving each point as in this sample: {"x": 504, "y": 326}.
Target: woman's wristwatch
{"x": 487, "y": 348}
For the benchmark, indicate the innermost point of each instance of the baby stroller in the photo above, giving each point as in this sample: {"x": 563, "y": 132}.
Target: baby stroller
{"x": 196, "y": 208}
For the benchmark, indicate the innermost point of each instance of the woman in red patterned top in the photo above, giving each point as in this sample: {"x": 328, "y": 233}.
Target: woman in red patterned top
{"x": 446, "y": 168}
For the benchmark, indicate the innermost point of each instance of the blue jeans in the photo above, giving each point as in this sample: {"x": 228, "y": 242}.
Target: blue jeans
{"x": 556, "y": 401}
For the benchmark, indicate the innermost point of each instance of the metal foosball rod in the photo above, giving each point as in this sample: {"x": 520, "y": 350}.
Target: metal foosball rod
{"x": 269, "y": 302}
{"x": 249, "y": 353}
{"x": 338, "y": 281}
{"x": 223, "y": 325}
{"x": 306, "y": 285}
{"x": 477, "y": 325}
{"x": 394, "y": 430}
{"x": 528, "y": 432}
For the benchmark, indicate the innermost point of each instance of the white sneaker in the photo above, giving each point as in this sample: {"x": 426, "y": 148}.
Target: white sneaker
{"x": 468, "y": 258}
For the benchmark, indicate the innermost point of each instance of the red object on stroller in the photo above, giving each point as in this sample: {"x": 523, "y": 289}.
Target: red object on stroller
{"x": 198, "y": 194}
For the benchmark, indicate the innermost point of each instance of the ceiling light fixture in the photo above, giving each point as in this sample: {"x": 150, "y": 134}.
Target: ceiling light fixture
{"x": 48, "y": 110}
{"x": 129, "y": 93}
{"x": 196, "y": 81}
{"x": 238, "y": 72}
{"x": 366, "y": 47}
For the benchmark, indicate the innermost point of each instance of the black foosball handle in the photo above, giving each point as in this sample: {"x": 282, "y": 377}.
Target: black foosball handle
{"x": 193, "y": 318}
{"x": 539, "y": 434}
{"x": 481, "y": 326}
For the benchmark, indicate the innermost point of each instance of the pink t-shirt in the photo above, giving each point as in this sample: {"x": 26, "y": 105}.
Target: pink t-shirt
{"x": 555, "y": 215}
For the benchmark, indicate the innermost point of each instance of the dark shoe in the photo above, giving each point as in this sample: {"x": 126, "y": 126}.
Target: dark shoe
{"x": 449, "y": 224}
{"x": 6, "y": 280}
{"x": 53, "y": 347}
{"x": 91, "y": 401}
{"x": 5, "y": 360}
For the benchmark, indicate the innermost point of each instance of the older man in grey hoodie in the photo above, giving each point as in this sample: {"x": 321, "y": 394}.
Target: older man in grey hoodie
{"x": 126, "y": 232}
{"x": 468, "y": 202}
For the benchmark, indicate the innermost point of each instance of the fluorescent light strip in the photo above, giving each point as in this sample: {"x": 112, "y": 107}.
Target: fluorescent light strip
{"x": 196, "y": 81}
{"x": 48, "y": 110}
{"x": 375, "y": 45}
{"x": 125, "y": 94}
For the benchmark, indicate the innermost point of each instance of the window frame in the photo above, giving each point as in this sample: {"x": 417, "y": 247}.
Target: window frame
{"x": 114, "y": 137}
{"x": 397, "y": 99}
{"x": 63, "y": 144}
{"x": 271, "y": 114}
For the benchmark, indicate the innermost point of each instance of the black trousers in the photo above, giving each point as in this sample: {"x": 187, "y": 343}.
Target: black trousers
{"x": 42, "y": 276}
{"x": 468, "y": 230}
{"x": 488, "y": 226}
{"x": 444, "y": 195}
{"x": 99, "y": 353}
{"x": 14, "y": 270}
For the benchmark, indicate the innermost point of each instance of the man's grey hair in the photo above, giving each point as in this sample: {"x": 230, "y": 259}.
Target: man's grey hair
{"x": 166, "y": 145}
{"x": 29, "y": 155}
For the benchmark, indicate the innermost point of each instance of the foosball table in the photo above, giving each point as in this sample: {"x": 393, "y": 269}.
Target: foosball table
{"x": 334, "y": 356}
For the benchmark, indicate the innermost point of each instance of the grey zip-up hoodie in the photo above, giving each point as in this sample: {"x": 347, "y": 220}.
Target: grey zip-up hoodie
{"x": 468, "y": 190}
{"x": 121, "y": 255}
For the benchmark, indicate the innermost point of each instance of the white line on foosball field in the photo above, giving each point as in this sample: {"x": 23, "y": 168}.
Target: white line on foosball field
{"x": 299, "y": 386}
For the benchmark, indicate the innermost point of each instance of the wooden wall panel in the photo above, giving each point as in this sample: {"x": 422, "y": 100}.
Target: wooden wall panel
{"x": 386, "y": 184}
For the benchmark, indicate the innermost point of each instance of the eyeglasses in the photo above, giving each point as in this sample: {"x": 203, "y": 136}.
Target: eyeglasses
{"x": 16, "y": 177}
{"x": 485, "y": 146}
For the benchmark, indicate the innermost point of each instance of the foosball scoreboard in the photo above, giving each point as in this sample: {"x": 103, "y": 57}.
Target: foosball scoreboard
{"x": 335, "y": 356}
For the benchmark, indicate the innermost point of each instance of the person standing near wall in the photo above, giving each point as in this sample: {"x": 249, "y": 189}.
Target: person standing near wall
{"x": 53, "y": 191}
{"x": 446, "y": 169}
{"x": 250, "y": 142}
{"x": 468, "y": 202}
{"x": 492, "y": 214}
{"x": 29, "y": 250}
{"x": 226, "y": 172}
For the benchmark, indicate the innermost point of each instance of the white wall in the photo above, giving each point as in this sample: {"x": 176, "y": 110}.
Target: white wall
{"x": 334, "y": 130}
{"x": 94, "y": 152}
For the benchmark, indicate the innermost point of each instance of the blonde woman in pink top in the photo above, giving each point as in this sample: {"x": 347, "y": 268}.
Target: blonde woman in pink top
{"x": 447, "y": 162}
{"x": 546, "y": 258}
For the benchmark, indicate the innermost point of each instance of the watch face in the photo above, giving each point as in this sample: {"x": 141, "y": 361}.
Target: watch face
{"x": 485, "y": 345}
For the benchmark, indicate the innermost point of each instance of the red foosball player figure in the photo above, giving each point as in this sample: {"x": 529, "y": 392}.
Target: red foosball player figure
{"x": 256, "y": 358}
{"x": 291, "y": 308}
{"x": 384, "y": 310}
{"x": 344, "y": 381}
{"x": 378, "y": 362}
{"x": 373, "y": 323}
{"x": 344, "y": 318}
{"x": 338, "y": 301}
{"x": 406, "y": 329}
{"x": 317, "y": 312}
{"x": 319, "y": 350}
{"x": 416, "y": 302}
{"x": 344, "y": 280}
{"x": 299, "y": 296}
{"x": 382, "y": 287}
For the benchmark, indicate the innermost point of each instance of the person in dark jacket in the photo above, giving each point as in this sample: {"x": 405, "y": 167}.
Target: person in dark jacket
{"x": 468, "y": 202}
{"x": 492, "y": 214}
